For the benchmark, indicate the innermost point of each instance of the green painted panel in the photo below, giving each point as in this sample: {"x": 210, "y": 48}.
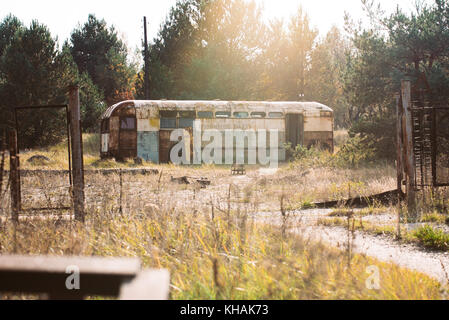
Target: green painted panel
{"x": 148, "y": 146}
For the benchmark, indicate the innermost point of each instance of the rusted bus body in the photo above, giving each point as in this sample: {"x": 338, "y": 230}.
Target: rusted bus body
{"x": 142, "y": 128}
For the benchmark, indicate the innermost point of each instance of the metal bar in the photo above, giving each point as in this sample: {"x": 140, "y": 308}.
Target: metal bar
{"x": 42, "y": 107}
{"x": 442, "y": 185}
{"x": 68, "y": 137}
{"x": 46, "y": 209}
{"x": 69, "y": 145}
{"x": 434, "y": 148}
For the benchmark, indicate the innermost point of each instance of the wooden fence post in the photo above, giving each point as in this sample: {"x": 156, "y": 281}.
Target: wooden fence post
{"x": 408, "y": 146}
{"x": 399, "y": 146}
{"x": 14, "y": 176}
{"x": 77, "y": 153}
{"x": 2, "y": 161}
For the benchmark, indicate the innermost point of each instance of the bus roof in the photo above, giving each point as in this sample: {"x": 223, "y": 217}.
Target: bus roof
{"x": 191, "y": 105}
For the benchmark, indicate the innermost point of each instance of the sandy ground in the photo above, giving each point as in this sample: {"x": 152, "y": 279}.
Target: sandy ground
{"x": 383, "y": 248}
{"x": 434, "y": 264}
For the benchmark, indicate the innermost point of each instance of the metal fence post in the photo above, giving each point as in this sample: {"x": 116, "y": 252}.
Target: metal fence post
{"x": 77, "y": 153}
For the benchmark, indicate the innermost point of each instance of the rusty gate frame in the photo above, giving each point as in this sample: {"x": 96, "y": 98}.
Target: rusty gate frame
{"x": 434, "y": 146}
{"x": 16, "y": 121}
{"x": 432, "y": 111}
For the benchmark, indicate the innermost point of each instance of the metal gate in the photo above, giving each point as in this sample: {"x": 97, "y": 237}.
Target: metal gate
{"x": 36, "y": 174}
{"x": 431, "y": 146}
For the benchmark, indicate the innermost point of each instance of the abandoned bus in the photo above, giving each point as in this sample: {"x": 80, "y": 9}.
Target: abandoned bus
{"x": 131, "y": 129}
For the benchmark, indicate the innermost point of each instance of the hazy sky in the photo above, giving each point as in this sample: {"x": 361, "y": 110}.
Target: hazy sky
{"x": 63, "y": 16}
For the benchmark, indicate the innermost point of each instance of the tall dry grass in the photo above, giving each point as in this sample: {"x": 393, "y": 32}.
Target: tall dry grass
{"x": 210, "y": 239}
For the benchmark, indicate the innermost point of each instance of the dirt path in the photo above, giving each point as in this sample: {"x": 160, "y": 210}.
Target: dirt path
{"x": 383, "y": 248}
{"x": 434, "y": 264}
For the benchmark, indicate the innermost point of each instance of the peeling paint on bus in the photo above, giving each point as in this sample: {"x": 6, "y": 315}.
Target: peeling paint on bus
{"x": 152, "y": 143}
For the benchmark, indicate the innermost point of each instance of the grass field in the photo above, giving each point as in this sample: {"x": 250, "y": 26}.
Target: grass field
{"x": 211, "y": 240}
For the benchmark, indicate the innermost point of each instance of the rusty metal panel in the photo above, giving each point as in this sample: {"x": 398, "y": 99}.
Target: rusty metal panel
{"x": 165, "y": 146}
{"x": 128, "y": 144}
{"x": 148, "y": 146}
{"x": 217, "y": 124}
{"x": 148, "y": 125}
{"x": 441, "y": 150}
{"x": 325, "y": 139}
{"x": 114, "y": 128}
{"x": 147, "y": 112}
{"x": 318, "y": 124}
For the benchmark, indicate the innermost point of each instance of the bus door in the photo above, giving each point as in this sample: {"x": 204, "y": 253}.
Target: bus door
{"x": 128, "y": 137}
{"x": 294, "y": 124}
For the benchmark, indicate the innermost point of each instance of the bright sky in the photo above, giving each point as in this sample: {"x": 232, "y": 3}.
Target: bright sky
{"x": 127, "y": 16}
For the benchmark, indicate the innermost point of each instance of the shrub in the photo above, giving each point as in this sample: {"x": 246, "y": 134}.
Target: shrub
{"x": 355, "y": 151}
{"x": 432, "y": 238}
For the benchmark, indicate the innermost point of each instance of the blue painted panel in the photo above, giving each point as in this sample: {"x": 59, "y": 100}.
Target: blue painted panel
{"x": 148, "y": 146}
{"x": 186, "y": 123}
{"x": 168, "y": 123}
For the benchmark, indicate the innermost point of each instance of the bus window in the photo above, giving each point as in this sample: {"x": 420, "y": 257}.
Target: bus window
{"x": 187, "y": 114}
{"x": 241, "y": 114}
{"x": 127, "y": 123}
{"x": 205, "y": 114}
{"x": 258, "y": 114}
{"x": 222, "y": 114}
{"x": 168, "y": 119}
{"x": 186, "y": 122}
{"x": 168, "y": 123}
{"x": 186, "y": 119}
{"x": 168, "y": 114}
{"x": 276, "y": 115}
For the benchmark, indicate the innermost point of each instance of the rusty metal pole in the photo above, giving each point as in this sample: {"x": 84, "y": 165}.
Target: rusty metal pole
{"x": 14, "y": 176}
{"x": 409, "y": 145}
{"x": 77, "y": 153}
{"x": 146, "y": 62}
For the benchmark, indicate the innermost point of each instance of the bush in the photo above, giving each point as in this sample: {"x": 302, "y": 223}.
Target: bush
{"x": 355, "y": 151}
{"x": 432, "y": 238}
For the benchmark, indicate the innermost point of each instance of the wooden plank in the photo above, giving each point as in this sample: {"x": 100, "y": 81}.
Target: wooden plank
{"x": 55, "y": 264}
{"x": 39, "y": 274}
{"x": 148, "y": 285}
